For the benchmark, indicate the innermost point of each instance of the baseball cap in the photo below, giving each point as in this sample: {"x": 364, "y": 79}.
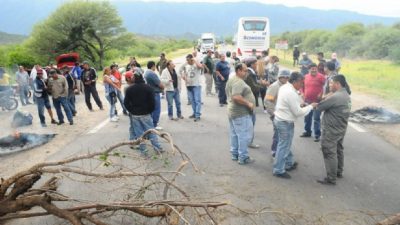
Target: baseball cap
{"x": 284, "y": 73}
{"x": 85, "y": 62}
{"x": 129, "y": 74}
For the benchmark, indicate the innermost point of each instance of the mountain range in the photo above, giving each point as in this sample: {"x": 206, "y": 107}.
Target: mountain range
{"x": 180, "y": 18}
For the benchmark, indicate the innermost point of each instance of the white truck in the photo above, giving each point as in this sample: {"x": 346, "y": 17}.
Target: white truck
{"x": 208, "y": 42}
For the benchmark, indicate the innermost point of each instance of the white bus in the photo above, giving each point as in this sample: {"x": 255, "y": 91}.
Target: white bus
{"x": 253, "y": 33}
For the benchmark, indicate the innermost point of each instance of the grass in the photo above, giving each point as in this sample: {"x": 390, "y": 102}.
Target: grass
{"x": 377, "y": 77}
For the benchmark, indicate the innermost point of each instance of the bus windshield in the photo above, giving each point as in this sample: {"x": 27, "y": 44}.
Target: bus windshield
{"x": 208, "y": 41}
{"x": 254, "y": 25}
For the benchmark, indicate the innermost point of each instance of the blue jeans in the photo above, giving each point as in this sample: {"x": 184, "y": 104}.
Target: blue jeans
{"x": 121, "y": 100}
{"x": 253, "y": 120}
{"x": 62, "y": 101}
{"x": 171, "y": 97}
{"x": 194, "y": 93}
{"x": 313, "y": 117}
{"x": 221, "y": 92}
{"x": 157, "y": 109}
{"x": 71, "y": 100}
{"x": 284, "y": 155}
{"x": 41, "y": 104}
{"x": 23, "y": 94}
{"x": 275, "y": 138}
{"x": 140, "y": 124}
{"x": 241, "y": 131}
{"x": 112, "y": 105}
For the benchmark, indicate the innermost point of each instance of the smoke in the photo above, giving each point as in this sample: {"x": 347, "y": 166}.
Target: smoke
{"x": 374, "y": 115}
{"x": 23, "y": 141}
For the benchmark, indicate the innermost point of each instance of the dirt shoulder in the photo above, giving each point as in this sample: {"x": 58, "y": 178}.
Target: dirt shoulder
{"x": 389, "y": 132}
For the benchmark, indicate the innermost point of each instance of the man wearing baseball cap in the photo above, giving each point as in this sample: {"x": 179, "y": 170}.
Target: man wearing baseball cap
{"x": 140, "y": 102}
{"x": 270, "y": 102}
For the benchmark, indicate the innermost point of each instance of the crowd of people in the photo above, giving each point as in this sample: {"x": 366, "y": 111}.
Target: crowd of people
{"x": 239, "y": 85}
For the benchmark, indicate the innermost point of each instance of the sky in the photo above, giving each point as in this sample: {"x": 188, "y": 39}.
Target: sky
{"x": 388, "y": 8}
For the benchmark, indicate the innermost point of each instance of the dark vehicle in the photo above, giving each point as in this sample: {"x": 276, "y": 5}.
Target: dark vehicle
{"x": 68, "y": 59}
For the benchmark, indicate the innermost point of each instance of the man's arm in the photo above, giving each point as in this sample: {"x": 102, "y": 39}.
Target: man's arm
{"x": 327, "y": 103}
{"x": 242, "y": 101}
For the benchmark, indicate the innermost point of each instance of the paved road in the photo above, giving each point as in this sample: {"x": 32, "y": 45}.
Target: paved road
{"x": 370, "y": 185}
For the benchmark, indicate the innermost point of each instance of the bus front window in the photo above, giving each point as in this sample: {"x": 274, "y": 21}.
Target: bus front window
{"x": 254, "y": 25}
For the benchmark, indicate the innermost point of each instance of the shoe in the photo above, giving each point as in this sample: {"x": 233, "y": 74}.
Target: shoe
{"x": 61, "y": 122}
{"x": 326, "y": 181}
{"x": 293, "y": 167}
{"x": 114, "y": 119}
{"x": 305, "y": 134}
{"x": 189, "y": 103}
{"x": 192, "y": 116}
{"x": 158, "y": 128}
{"x": 53, "y": 121}
{"x": 284, "y": 175}
{"x": 171, "y": 118}
{"x": 29, "y": 103}
{"x": 273, "y": 154}
{"x": 225, "y": 103}
{"x": 23, "y": 104}
{"x": 159, "y": 151}
{"x": 71, "y": 122}
{"x": 125, "y": 112}
{"x": 101, "y": 108}
{"x": 221, "y": 105}
{"x": 235, "y": 158}
{"x": 91, "y": 110}
{"x": 43, "y": 125}
{"x": 145, "y": 155}
{"x": 73, "y": 113}
{"x": 197, "y": 119}
{"x": 316, "y": 139}
{"x": 181, "y": 117}
{"x": 252, "y": 145}
{"x": 339, "y": 175}
{"x": 248, "y": 160}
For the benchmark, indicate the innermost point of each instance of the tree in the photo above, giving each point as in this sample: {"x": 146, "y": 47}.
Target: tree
{"x": 88, "y": 27}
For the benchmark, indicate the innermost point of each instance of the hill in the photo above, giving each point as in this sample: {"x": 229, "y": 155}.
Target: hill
{"x": 177, "y": 18}
{"x": 6, "y": 38}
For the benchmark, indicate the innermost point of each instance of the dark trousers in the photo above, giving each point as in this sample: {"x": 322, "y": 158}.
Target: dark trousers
{"x": 91, "y": 90}
{"x": 313, "y": 118}
{"x": 221, "y": 92}
{"x": 256, "y": 95}
{"x": 263, "y": 92}
{"x": 332, "y": 150}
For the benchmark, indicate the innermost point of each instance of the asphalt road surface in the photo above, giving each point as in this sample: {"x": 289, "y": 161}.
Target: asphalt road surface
{"x": 369, "y": 190}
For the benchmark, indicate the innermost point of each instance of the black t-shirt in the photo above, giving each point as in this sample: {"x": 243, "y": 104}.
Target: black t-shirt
{"x": 174, "y": 79}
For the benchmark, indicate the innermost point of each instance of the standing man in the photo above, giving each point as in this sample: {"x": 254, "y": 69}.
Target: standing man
{"x": 154, "y": 82}
{"x": 336, "y": 110}
{"x": 222, "y": 71}
{"x": 288, "y": 109}
{"x": 59, "y": 90}
{"x": 172, "y": 84}
{"x": 42, "y": 98}
{"x": 336, "y": 61}
{"x": 191, "y": 72}
{"x": 240, "y": 109}
{"x": 270, "y": 102}
{"x": 162, "y": 64}
{"x": 22, "y": 78}
{"x": 89, "y": 78}
{"x": 216, "y": 61}
{"x": 140, "y": 102}
{"x": 209, "y": 70}
{"x": 71, "y": 87}
{"x": 115, "y": 73}
{"x": 313, "y": 90}
{"x": 77, "y": 72}
{"x": 321, "y": 63}
{"x": 304, "y": 64}
{"x": 296, "y": 55}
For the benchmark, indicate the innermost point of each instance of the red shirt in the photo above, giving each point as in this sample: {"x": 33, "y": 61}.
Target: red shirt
{"x": 313, "y": 87}
{"x": 117, "y": 75}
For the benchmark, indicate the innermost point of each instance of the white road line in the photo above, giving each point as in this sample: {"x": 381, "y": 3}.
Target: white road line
{"x": 98, "y": 127}
{"x": 357, "y": 127}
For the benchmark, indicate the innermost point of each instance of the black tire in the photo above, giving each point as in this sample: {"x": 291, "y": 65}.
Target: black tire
{"x": 11, "y": 104}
